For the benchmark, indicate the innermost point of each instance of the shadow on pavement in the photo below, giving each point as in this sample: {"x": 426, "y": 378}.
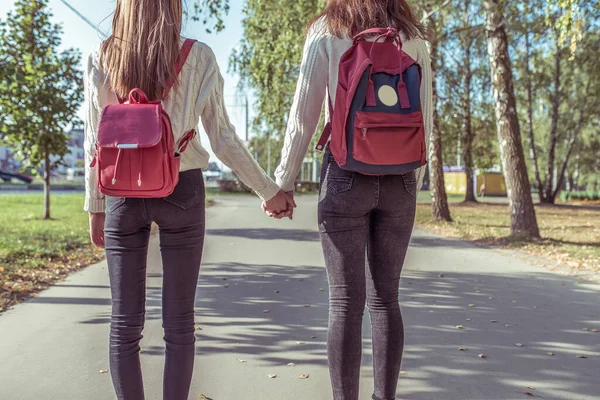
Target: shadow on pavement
{"x": 529, "y": 327}
{"x": 269, "y": 234}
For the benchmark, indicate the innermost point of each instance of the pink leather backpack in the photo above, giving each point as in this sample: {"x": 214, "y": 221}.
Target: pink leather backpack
{"x": 135, "y": 154}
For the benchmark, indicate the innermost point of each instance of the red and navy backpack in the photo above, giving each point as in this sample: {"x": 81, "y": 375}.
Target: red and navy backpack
{"x": 376, "y": 123}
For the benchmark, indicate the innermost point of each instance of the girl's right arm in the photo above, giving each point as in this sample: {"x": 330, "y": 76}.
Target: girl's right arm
{"x": 223, "y": 139}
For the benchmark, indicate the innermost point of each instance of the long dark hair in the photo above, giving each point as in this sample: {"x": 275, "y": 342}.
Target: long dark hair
{"x": 144, "y": 47}
{"x": 349, "y": 17}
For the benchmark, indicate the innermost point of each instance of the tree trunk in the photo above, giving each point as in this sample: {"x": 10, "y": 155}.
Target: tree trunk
{"x": 522, "y": 212}
{"x": 47, "y": 172}
{"x": 571, "y": 142}
{"x": 530, "y": 129}
{"x": 439, "y": 198}
{"x": 467, "y": 152}
{"x": 549, "y": 185}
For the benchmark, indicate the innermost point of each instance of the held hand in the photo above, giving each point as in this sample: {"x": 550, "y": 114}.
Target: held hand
{"x": 97, "y": 229}
{"x": 280, "y": 206}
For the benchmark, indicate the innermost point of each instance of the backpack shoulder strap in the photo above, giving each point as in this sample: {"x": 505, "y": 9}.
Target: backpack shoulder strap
{"x": 183, "y": 56}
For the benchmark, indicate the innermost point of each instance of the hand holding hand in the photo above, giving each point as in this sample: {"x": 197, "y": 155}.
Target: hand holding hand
{"x": 97, "y": 229}
{"x": 280, "y": 206}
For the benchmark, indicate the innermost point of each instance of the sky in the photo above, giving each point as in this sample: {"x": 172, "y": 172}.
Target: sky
{"x": 77, "y": 34}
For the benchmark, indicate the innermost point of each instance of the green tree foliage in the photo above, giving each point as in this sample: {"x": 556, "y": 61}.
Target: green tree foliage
{"x": 40, "y": 88}
{"x": 268, "y": 58}
{"x": 556, "y": 79}
{"x": 211, "y": 13}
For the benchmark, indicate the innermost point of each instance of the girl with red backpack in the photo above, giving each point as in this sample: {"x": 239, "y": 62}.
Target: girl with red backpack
{"x": 367, "y": 60}
{"x": 146, "y": 91}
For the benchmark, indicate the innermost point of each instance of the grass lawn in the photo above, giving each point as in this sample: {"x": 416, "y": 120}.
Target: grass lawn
{"x": 571, "y": 234}
{"x": 35, "y": 253}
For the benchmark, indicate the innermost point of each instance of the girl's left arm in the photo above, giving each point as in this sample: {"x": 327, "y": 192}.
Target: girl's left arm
{"x": 306, "y": 110}
{"x": 94, "y": 200}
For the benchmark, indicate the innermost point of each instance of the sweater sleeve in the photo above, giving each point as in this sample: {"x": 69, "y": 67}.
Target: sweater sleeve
{"x": 306, "y": 109}
{"x": 223, "y": 139}
{"x": 424, "y": 61}
{"x": 94, "y": 200}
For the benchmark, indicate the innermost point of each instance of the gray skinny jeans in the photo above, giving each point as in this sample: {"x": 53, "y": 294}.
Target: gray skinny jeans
{"x": 365, "y": 223}
{"x": 181, "y": 219}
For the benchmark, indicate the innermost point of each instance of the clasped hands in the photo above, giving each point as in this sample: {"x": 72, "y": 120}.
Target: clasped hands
{"x": 281, "y": 206}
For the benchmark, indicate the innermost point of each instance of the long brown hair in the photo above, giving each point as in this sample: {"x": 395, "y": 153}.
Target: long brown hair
{"x": 144, "y": 46}
{"x": 349, "y": 17}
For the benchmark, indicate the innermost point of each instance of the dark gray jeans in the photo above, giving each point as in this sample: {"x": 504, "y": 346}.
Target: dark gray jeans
{"x": 181, "y": 220}
{"x": 366, "y": 223}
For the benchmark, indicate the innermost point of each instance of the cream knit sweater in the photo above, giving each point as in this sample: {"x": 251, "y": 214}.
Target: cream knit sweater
{"x": 318, "y": 78}
{"x": 198, "y": 97}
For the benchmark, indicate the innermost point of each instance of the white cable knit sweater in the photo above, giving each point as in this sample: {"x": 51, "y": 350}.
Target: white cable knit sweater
{"x": 199, "y": 96}
{"x": 319, "y": 77}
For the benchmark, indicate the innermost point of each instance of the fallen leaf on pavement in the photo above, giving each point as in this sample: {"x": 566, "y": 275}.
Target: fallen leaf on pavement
{"x": 482, "y": 356}
{"x": 463, "y": 349}
{"x": 581, "y": 356}
{"x": 300, "y": 342}
{"x": 304, "y": 376}
{"x": 272, "y": 376}
{"x": 460, "y": 327}
{"x": 493, "y": 321}
{"x": 266, "y": 311}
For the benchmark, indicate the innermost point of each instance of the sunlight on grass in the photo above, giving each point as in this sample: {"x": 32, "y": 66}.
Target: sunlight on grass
{"x": 570, "y": 235}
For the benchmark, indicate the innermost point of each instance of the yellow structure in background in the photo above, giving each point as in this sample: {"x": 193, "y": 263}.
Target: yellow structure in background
{"x": 456, "y": 182}
{"x": 491, "y": 183}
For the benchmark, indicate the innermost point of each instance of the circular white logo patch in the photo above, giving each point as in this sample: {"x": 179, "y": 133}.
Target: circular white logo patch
{"x": 388, "y": 95}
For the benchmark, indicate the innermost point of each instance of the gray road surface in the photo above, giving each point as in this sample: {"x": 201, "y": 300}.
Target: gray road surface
{"x": 54, "y": 346}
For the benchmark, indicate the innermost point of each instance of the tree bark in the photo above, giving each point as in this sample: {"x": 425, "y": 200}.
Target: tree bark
{"x": 467, "y": 153}
{"x": 522, "y": 212}
{"x": 439, "y": 198}
{"x": 549, "y": 185}
{"x": 47, "y": 168}
{"x": 530, "y": 130}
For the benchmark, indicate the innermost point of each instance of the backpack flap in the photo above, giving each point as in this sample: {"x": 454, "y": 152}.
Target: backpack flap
{"x": 130, "y": 126}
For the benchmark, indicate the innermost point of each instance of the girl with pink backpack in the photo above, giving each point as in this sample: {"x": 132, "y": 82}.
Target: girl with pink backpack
{"x": 146, "y": 91}
{"x": 367, "y": 63}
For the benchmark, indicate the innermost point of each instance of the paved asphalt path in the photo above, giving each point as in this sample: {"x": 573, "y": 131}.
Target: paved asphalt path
{"x": 54, "y": 346}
